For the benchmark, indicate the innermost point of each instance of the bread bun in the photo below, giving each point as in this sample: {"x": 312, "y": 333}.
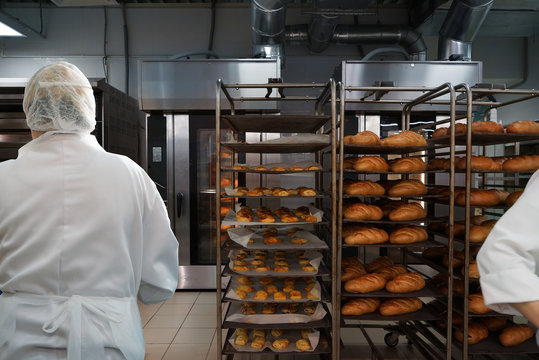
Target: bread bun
{"x": 405, "y": 138}
{"x": 360, "y": 211}
{"x": 360, "y": 306}
{"x": 476, "y": 333}
{"x": 404, "y": 283}
{"x": 408, "y": 235}
{"x": 486, "y": 127}
{"x": 366, "y": 235}
{"x": 371, "y": 163}
{"x": 477, "y": 305}
{"x": 407, "y": 212}
{"x": 399, "y": 306}
{"x": 366, "y": 138}
{"x": 408, "y": 164}
{"x": 479, "y": 197}
{"x": 522, "y": 163}
{"x": 523, "y": 127}
{"x": 365, "y": 187}
{"x": 478, "y": 163}
{"x": 366, "y": 283}
{"x": 408, "y": 188}
{"x": 378, "y": 263}
{"x": 516, "y": 334}
{"x": 513, "y": 197}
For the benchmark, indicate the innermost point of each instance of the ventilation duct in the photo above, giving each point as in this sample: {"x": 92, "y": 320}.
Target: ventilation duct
{"x": 268, "y": 20}
{"x": 460, "y": 27}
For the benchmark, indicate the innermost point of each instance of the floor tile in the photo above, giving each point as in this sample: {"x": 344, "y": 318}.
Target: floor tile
{"x": 159, "y": 336}
{"x": 183, "y": 297}
{"x": 174, "y": 309}
{"x": 194, "y": 336}
{"x": 207, "y": 298}
{"x": 166, "y": 321}
{"x": 149, "y": 309}
{"x": 203, "y": 309}
{"x": 155, "y": 351}
{"x": 187, "y": 351}
{"x": 145, "y": 318}
{"x": 200, "y": 321}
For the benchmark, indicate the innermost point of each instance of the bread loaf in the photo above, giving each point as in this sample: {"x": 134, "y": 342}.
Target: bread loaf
{"x": 388, "y": 205}
{"x": 494, "y": 323}
{"x": 371, "y": 163}
{"x": 367, "y": 235}
{"x": 439, "y": 164}
{"x": 476, "y": 333}
{"x": 479, "y": 197}
{"x": 516, "y": 334}
{"x": 408, "y": 235}
{"x": 486, "y": 127}
{"x": 404, "y": 283}
{"x": 479, "y": 233}
{"x": 378, "y": 263}
{"x": 405, "y": 138}
{"x": 360, "y": 211}
{"x": 473, "y": 270}
{"x": 440, "y": 132}
{"x": 407, "y": 212}
{"x": 408, "y": 188}
{"x": 362, "y": 138}
{"x": 348, "y": 163}
{"x": 399, "y": 306}
{"x": 513, "y": 197}
{"x": 366, "y": 283}
{"x": 477, "y": 305}
{"x": 523, "y": 127}
{"x": 352, "y": 268}
{"x": 365, "y": 187}
{"x": 408, "y": 164}
{"x": 389, "y": 272}
{"x": 478, "y": 163}
{"x": 522, "y": 163}
{"x": 435, "y": 253}
{"x": 360, "y": 306}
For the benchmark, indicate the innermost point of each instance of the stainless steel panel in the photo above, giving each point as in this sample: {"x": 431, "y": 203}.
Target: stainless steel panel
{"x": 405, "y": 74}
{"x": 190, "y": 84}
{"x": 197, "y": 277}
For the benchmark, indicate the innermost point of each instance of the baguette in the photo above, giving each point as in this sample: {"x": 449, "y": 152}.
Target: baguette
{"x": 522, "y": 163}
{"x": 516, "y": 334}
{"x": 439, "y": 164}
{"x": 479, "y": 197}
{"x": 494, "y": 323}
{"x": 487, "y": 127}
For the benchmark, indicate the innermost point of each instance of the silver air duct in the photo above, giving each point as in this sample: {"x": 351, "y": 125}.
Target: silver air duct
{"x": 463, "y": 20}
{"x": 268, "y": 20}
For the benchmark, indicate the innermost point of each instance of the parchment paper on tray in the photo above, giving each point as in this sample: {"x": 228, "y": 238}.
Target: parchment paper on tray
{"x": 302, "y": 164}
{"x": 316, "y": 292}
{"x": 230, "y": 218}
{"x": 235, "y": 315}
{"x": 292, "y": 335}
{"x": 243, "y": 235}
{"x": 299, "y": 139}
{"x": 294, "y": 269}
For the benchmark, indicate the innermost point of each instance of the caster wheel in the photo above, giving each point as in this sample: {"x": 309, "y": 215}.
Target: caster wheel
{"x": 391, "y": 340}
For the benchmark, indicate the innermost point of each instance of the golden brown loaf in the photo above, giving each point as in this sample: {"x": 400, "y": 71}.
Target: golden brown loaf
{"x": 512, "y": 198}
{"x": 371, "y": 163}
{"x": 362, "y": 138}
{"x": 348, "y": 162}
{"x": 367, "y": 235}
{"x": 522, "y": 163}
{"x": 477, "y": 304}
{"x": 523, "y": 127}
{"x": 352, "y": 267}
{"x": 406, "y": 212}
{"x": 405, "y": 138}
{"x": 487, "y": 127}
{"x": 366, "y": 283}
{"x": 365, "y": 187}
{"x": 494, "y": 323}
{"x": 443, "y": 131}
{"x": 388, "y": 205}
{"x": 360, "y": 306}
{"x": 516, "y": 334}
{"x": 479, "y": 197}
{"x": 439, "y": 164}
{"x": 399, "y": 306}
{"x": 360, "y": 211}
{"x": 473, "y": 271}
{"x": 478, "y": 163}
{"x": 404, "y": 283}
{"x": 379, "y": 263}
{"x": 408, "y": 235}
{"x": 408, "y": 188}
{"x": 408, "y": 164}
{"x": 389, "y": 272}
{"x": 479, "y": 233}
{"x": 476, "y": 333}
{"x": 435, "y": 253}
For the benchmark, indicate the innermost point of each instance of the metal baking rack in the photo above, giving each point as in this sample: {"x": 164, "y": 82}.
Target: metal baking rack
{"x": 423, "y": 244}
{"x": 315, "y": 121}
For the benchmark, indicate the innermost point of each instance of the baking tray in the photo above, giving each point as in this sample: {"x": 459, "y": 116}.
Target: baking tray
{"x": 320, "y": 194}
{"x": 424, "y": 314}
{"x": 380, "y": 149}
{"x": 484, "y": 138}
{"x": 274, "y": 148}
{"x": 409, "y": 222}
{"x": 427, "y": 291}
{"x": 491, "y": 345}
{"x": 426, "y": 196}
{"x": 232, "y": 245}
{"x": 241, "y": 234}
{"x": 230, "y": 219}
{"x": 350, "y": 171}
{"x": 323, "y": 323}
{"x": 428, "y": 243}
{"x": 276, "y": 123}
{"x": 323, "y": 347}
{"x": 434, "y": 201}
{"x": 322, "y": 271}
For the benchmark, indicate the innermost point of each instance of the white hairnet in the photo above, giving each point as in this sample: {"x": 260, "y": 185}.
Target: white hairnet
{"x": 59, "y": 97}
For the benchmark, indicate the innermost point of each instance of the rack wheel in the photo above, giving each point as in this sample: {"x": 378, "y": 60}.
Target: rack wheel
{"x": 391, "y": 340}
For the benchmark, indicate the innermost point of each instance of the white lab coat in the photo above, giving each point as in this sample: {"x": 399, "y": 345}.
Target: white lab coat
{"x": 509, "y": 259}
{"x": 83, "y": 232}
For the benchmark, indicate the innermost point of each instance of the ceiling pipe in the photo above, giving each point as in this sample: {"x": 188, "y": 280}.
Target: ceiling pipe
{"x": 460, "y": 27}
{"x": 268, "y": 20}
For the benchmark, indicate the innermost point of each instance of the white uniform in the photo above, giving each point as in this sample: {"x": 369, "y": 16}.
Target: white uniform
{"x": 509, "y": 259}
{"x": 82, "y": 233}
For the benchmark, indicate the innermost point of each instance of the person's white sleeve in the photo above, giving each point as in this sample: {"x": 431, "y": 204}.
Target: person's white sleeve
{"x": 159, "y": 278}
{"x": 509, "y": 259}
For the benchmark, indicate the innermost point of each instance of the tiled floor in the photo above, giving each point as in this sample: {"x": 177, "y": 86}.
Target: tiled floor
{"x": 183, "y": 328}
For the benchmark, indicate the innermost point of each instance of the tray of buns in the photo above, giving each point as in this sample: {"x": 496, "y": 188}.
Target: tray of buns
{"x": 257, "y": 148}
{"x": 422, "y": 244}
{"x": 479, "y": 138}
{"x": 427, "y": 291}
{"x": 274, "y": 340}
{"x": 281, "y": 216}
{"x": 492, "y": 345}
{"x": 284, "y": 316}
{"x": 425, "y": 313}
{"x": 271, "y": 238}
{"x": 267, "y": 289}
{"x": 281, "y": 123}
{"x": 383, "y": 149}
{"x": 275, "y": 192}
{"x": 375, "y": 172}
{"x": 277, "y": 168}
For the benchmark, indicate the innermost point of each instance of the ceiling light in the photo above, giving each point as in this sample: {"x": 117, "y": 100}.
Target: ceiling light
{"x": 8, "y": 31}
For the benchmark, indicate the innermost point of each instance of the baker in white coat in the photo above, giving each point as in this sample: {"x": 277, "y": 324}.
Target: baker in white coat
{"x": 83, "y": 233}
{"x": 509, "y": 259}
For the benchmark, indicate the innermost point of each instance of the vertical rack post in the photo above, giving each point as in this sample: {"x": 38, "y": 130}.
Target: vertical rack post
{"x": 218, "y": 216}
